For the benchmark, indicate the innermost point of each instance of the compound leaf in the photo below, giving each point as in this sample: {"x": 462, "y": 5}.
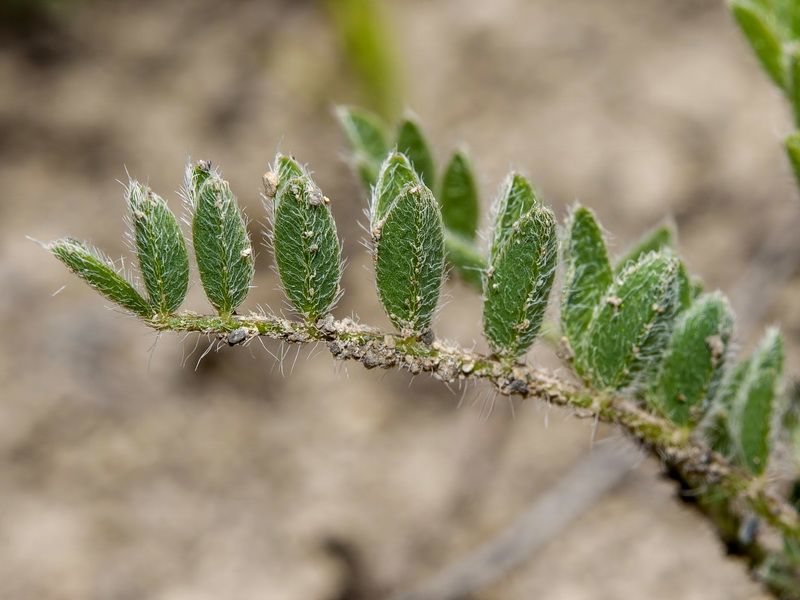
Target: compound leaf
{"x": 409, "y": 259}
{"x": 307, "y": 251}
{"x": 221, "y": 244}
{"x": 694, "y": 362}
{"x": 161, "y": 248}
{"x": 98, "y": 271}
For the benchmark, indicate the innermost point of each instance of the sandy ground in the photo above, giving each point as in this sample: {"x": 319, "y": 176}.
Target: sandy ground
{"x": 129, "y": 471}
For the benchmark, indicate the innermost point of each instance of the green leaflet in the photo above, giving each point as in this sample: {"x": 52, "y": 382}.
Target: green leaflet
{"x": 793, "y": 79}
{"x": 98, "y": 271}
{"x": 163, "y": 260}
{"x": 285, "y": 169}
{"x": 587, "y": 278}
{"x": 759, "y": 29}
{"x": 516, "y": 198}
{"x": 696, "y": 287}
{"x": 466, "y": 257}
{"x": 413, "y": 143}
{"x": 306, "y": 247}
{"x": 658, "y": 238}
{"x": 221, "y": 245}
{"x": 787, "y": 16}
{"x": 630, "y": 328}
{"x": 458, "y": 197}
{"x": 520, "y": 273}
{"x": 409, "y": 259}
{"x": 396, "y": 174}
{"x": 793, "y": 152}
{"x": 753, "y": 409}
{"x": 688, "y": 290}
{"x": 694, "y": 362}
{"x": 718, "y": 430}
{"x": 368, "y": 140}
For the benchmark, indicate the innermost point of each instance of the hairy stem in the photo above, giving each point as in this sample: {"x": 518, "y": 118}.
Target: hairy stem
{"x": 728, "y": 496}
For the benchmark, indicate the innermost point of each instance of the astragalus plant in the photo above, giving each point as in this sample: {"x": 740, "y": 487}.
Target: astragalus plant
{"x": 651, "y": 350}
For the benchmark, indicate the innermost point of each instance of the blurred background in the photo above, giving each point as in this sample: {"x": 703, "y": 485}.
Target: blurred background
{"x": 129, "y": 469}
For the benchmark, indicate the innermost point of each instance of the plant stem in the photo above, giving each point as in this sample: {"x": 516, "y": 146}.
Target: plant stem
{"x": 725, "y": 494}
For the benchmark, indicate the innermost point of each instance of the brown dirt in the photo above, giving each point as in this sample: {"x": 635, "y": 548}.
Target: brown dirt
{"x": 127, "y": 472}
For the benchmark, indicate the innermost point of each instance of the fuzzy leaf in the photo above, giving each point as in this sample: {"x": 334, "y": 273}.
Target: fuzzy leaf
{"x": 516, "y": 198}
{"x": 163, "y": 260}
{"x": 630, "y": 329}
{"x": 286, "y": 168}
{"x": 221, "y": 245}
{"x": 519, "y": 280}
{"x": 459, "y": 197}
{"x": 694, "y": 363}
{"x": 759, "y": 29}
{"x": 588, "y": 276}
{"x": 368, "y": 140}
{"x": 466, "y": 257}
{"x": 754, "y": 406}
{"x": 306, "y": 247}
{"x": 98, "y": 271}
{"x": 409, "y": 259}
{"x": 396, "y": 174}
{"x": 687, "y": 290}
{"x": 696, "y": 287}
{"x": 413, "y": 143}
{"x": 718, "y": 433}
{"x": 658, "y": 238}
